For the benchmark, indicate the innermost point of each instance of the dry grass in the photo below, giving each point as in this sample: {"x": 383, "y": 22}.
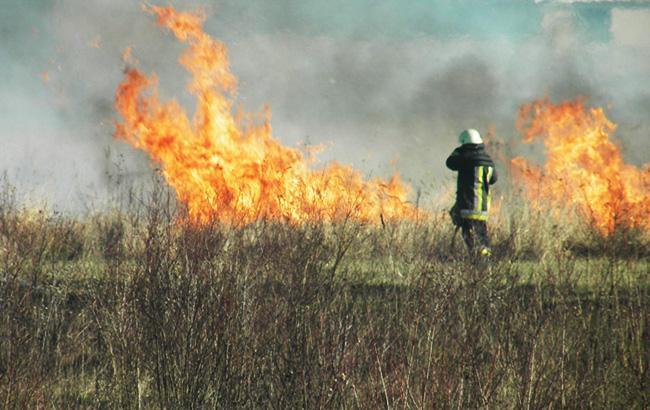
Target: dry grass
{"x": 135, "y": 309}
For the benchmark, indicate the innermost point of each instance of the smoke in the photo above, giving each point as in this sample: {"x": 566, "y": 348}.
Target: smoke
{"x": 378, "y": 85}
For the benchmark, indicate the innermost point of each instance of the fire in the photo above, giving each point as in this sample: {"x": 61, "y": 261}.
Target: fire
{"x": 583, "y": 169}
{"x": 228, "y": 166}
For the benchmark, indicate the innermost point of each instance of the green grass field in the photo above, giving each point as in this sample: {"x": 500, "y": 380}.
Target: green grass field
{"x": 137, "y": 309}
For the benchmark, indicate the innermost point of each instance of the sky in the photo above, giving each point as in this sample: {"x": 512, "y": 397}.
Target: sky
{"x": 385, "y": 85}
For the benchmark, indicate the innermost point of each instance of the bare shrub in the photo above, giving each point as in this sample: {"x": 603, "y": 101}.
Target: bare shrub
{"x": 157, "y": 311}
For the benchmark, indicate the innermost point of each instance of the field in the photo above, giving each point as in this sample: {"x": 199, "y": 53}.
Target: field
{"x": 135, "y": 308}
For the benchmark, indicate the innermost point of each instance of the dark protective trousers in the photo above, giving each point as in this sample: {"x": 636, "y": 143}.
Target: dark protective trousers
{"x": 475, "y": 234}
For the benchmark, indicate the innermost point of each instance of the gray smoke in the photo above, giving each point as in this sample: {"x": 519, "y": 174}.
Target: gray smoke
{"x": 373, "y": 85}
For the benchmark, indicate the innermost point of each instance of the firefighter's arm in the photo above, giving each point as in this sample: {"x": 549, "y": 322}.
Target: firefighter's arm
{"x": 454, "y": 161}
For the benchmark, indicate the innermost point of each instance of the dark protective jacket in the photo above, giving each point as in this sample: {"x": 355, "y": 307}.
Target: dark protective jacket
{"x": 475, "y": 175}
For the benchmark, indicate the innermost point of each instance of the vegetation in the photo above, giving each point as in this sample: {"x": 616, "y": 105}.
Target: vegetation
{"x": 139, "y": 309}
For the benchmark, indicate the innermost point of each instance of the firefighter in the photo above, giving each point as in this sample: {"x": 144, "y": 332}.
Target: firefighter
{"x": 475, "y": 175}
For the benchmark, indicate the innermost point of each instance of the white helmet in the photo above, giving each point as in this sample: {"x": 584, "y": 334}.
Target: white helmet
{"x": 470, "y": 136}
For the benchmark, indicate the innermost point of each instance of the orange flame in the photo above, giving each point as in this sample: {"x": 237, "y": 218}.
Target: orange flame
{"x": 583, "y": 169}
{"x": 227, "y": 166}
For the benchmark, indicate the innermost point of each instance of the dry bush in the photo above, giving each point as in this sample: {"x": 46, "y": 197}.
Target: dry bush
{"x": 321, "y": 315}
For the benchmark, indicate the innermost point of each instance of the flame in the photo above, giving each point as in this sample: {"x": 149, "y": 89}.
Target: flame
{"x": 229, "y": 166}
{"x": 583, "y": 169}
{"x": 95, "y": 42}
{"x": 127, "y": 56}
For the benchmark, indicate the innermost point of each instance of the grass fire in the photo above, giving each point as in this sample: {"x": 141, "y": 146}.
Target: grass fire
{"x": 224, "y": 167}
{"x": 239, "y": 272}
{"x": 583, "y": 167}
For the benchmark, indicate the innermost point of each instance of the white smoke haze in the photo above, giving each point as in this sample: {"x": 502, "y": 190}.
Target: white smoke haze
{"x": 374, "y": 97}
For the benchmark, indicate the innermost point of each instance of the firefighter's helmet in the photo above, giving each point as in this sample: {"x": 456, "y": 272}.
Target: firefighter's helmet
{"x": 470, "y": 136}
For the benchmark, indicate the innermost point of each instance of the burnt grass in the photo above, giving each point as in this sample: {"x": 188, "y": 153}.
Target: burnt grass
{"x": 138, "y": 309}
